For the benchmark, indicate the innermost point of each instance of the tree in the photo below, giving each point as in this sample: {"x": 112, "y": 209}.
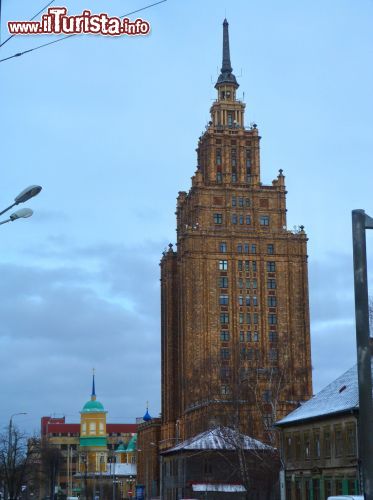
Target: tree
{"x": 257, "y": 464}
{"x": 16, "y": 453}
{"x": 51, "y": 460}
{"x": 252, "y": 398}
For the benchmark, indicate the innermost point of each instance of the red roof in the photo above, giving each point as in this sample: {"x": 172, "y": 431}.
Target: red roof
{"x": 63, "y": 428}
{"x": 50, "y": 426}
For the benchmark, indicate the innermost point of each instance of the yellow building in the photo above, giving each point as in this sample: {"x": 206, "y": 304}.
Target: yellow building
{"x": 93, "y": 456}
{"x": 97, "y": 456}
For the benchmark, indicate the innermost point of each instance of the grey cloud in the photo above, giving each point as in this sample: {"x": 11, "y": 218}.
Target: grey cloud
{"x": 57, "y": 323}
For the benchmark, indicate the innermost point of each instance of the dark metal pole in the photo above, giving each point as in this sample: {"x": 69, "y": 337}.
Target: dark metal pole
{"x": 361, "y": 222}
{"x": 10, "y": 457}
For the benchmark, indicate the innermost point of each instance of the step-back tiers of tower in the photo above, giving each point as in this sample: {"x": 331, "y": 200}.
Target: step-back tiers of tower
{"x": 235, "y": 313}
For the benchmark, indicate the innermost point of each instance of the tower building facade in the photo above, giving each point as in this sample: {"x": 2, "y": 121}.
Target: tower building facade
{"x": 235, "y": 312}
{"x": 93, "y": 437}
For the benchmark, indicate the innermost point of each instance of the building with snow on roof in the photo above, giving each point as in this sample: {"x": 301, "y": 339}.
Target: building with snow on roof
{"x": 220, "y": 463}
{"x": 319, "y": 442}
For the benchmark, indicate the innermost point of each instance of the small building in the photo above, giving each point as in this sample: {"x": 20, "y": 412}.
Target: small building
{"x": 220, "y": 463}
{"x": 319, "y": 443}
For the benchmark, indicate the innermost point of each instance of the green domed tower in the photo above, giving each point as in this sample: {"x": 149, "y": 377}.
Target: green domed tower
{"x": 93, "y": 438}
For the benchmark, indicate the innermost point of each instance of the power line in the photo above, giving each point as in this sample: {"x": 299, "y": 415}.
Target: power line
{"x": 75, "y": 34}
{"x": 40, "y": 11}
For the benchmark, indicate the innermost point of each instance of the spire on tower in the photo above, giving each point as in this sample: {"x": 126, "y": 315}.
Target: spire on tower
{"x": 226, "y": 75}
{"x": 226, "y": 66}
{"x": 93, "y": 395}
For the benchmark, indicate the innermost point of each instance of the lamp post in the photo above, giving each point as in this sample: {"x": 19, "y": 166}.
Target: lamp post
{"x": 10, "y": 443}
{"x": 23, "y": 196}
{"x": 360, "y": 222}
{"x": 112, "y": 473}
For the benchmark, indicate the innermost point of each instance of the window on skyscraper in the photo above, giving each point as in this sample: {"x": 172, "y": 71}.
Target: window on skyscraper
{"x": 223, "y": 282}
{"x": 223, "y": 265}
{"x": 223, "y": 300}
{"x": 218, "y": 156}
{"x": 271, "y": 283}
{"x": 272, "y": 319}
{"x": 272, "y": 301}
{"x": 224, "y": 353}
{"x": 223, "y": 247}
{"x": 218, "y": 218}
{"x": 264, "y": 220}
{"x": 224, "y": 318}
{"x": 224, "y": 335}
{"x": 271, "y": 267}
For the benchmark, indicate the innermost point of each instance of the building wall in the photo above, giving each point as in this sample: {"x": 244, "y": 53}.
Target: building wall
{"x": 148, "y": 473}
{"x": 321, "y": 458}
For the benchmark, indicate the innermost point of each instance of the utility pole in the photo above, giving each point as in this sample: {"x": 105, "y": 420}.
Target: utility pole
{"x": 360, "y": 222}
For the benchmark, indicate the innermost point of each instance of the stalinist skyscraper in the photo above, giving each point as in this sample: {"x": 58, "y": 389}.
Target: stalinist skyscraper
{"x": 235, "y": 313}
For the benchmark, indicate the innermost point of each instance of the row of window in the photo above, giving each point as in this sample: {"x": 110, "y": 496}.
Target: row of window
{"x": 247, "y": 318}
{"x": 240, "y": 201}
{"x": 245, "y": 264}
{"x": 233, "y": 157}
{"x": 247, "y": 300}
{"x": 245, "y": 248}
{"x": 241, "y": 219}
{"x": 234, "y": 178}
{"x": 248, "y": 336}
{"x": 248, "y": 353}
{"x": 318, "y": 444}
{"x": 223, "y": 283}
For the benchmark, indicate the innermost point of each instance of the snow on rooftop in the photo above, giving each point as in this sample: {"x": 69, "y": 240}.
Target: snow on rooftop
{"x": 220, "y": 438}
{"x": 340, "y": 395}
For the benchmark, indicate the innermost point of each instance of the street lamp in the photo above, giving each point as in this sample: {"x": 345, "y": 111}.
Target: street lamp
{"x": 22, "y": 213}
{"x": 23, "y": 196}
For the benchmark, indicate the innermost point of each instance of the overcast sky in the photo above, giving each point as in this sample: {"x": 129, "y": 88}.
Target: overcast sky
{"x": 109, "y": 128}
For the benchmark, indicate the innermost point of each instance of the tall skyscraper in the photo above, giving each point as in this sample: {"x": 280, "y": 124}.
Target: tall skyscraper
{"x": 235, "y": 312}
